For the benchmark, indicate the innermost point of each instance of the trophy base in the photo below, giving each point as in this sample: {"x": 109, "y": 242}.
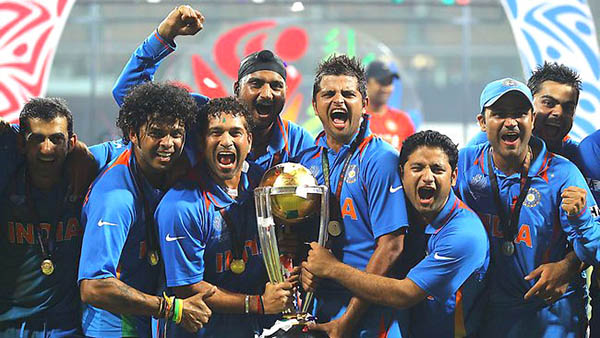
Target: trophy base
{"x": 293, "y": 325}
{"x": 297, "y": 331}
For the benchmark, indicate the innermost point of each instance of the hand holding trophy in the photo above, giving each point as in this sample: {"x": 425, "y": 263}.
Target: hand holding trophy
{"x": 291, "y": 209}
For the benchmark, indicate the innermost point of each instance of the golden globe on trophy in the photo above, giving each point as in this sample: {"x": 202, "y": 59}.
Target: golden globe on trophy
{"x": 291, "y": 210}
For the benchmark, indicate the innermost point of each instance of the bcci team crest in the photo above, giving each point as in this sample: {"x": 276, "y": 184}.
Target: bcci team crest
{"x": 217, "y": 223}
{"x": 533, "y": 198}
{"x": 509, "y": 83}
{"x": 351, "y": 176}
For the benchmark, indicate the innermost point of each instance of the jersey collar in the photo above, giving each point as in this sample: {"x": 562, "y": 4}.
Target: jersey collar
{"x": 322, "y": 137}
{"x": 217, "y": 194}
{"x": 538, "y": 165}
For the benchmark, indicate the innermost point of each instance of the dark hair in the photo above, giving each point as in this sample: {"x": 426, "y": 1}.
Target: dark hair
{"x": 47, "y": 109}
{"x": 429, "y": 138}
{"x": 554, "y": 72}
{"x": 341, "y": 65}
{"x": 224, "y": 105}
{"x": 155, "y": 102}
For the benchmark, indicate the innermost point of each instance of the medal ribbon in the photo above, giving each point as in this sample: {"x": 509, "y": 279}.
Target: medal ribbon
{"x": 509, "y": 226}
{"x": 325, "y": 160}
{"x": 236, "y": 244}
{"x": 151, "y": 236}
{"x": 47, "y": 250}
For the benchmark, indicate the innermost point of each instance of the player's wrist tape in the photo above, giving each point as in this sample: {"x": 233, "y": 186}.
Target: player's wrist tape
{"x": 247, "y": 304}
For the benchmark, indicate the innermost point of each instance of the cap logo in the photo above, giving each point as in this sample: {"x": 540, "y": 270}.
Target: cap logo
{"x": 509, "y": 83}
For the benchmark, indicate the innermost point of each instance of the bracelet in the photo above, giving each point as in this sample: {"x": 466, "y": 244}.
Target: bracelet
{"x": 177, "y": 311}
{"x": 262, "y": 305}
{"x": 168, "y": 306}
{"x": 258, "y": 304}
{"x": 247, "y": 304}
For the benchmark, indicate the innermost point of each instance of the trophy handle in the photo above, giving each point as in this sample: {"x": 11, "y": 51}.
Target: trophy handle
{"x": 267, "y": 236}
{"x": 323, "y": 236}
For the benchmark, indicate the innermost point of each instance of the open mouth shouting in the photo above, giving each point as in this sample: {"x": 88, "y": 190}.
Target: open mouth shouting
{"x": 339, "y": 118}
{"x": 264, "y": 109}
{"x": 510, "y": 138}
{"x": 226, "y": 160}
{"x": 426, "y": 195}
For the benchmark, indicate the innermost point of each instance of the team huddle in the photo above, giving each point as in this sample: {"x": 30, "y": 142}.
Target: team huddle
{"x": 155, "y": 234}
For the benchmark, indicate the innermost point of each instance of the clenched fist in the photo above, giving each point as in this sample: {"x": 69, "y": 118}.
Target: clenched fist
{"x": 183, "y": 20}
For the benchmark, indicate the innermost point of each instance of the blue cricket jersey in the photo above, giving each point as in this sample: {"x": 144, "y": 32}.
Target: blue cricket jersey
{"x": 114, "y": 243}
{"x": 197, "y": 244}
{"x": 543, "y": 235}
{"x": 287, "y": 139}
{"x": 372, "y": 205}
{"x": 26, "y": 292}
{"x": 451, "y": 273}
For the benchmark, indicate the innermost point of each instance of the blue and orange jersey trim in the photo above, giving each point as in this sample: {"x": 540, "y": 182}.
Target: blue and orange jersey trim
{"x": 122, "y": 159}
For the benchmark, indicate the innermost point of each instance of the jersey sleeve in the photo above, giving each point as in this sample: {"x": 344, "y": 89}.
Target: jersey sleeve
{"x": 589, "y": 155}
{"x": 182, "y": 237}
{"x": 10, "y": 157}
{"x": 300, "y": 140}
{"x": 142, "y": 65}
{"x": 385, "y": 195}
{"x": 583, "y": 230}
{"x": 105, "y": 152}
{"x": 107, "y": 215}
{"x": 451, "y": 261}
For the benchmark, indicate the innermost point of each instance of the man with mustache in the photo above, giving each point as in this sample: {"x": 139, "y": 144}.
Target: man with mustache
{"x": 120, "y": 262}
{"x": 260, "y": 85}
{"x": 391, "y": 124}
{"x": 368, "y": 216}
{"x": 40, "y": 234}
{"x": 535, "y": 205}
{"x": 446, "y": 249}
{"x": 208, "y": 230}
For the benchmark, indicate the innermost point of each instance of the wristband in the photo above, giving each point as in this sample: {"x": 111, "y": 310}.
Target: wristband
{"x": 258, "y": 304}
{"x": 180, "y": 312}
{"x": 247, "y": 304}
{"x": 177, "y": 311}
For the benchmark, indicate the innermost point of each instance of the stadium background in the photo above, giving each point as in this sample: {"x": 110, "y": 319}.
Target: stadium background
{"x": 445, "y": 51}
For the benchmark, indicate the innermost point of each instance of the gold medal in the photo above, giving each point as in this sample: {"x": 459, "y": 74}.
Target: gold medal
{"x": 237, "y": 266}
{"x": 334, "y": 228}
{"x": 153, "y": 258}
{"x": 47, "y": 267}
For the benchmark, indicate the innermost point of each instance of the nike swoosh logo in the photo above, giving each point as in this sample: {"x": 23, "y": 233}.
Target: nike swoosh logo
{"x": 393, "y": 190}
{"x": 102, "y": 223}
{"x": 442, "y": 258}
{"x": 171, "y": 239}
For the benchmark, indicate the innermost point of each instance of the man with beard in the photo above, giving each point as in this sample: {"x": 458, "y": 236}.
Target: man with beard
{"x": 392, "y": 125}
{"x": 368, "y": 215}
{"x": 40, "y": 233}
{"x": 208, "y": 230}
{"x": 535, "y": 205}
{"x": 119, "y": 269}
{"x": 555, "y": 89}
{"x": 446, "y": 240}
{"x": 260, "y": 85}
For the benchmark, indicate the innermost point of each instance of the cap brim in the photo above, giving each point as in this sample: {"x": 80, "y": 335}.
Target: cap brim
{"x": 494, "y": 99}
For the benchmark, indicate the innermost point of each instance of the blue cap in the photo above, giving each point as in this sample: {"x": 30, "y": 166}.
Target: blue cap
{"x": 495, "y": 89}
